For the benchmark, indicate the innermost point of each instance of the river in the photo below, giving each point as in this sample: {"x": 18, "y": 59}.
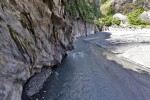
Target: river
{"x": 90, "y": 72}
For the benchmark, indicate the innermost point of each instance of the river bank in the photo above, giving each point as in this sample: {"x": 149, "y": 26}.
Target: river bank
{"x": 131, "y": 44}
{"x": 90, "y": 72}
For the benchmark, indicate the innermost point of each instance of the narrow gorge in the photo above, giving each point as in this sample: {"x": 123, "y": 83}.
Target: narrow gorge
{"x": 34, "y": 35}
{"x": 54, "y": 50}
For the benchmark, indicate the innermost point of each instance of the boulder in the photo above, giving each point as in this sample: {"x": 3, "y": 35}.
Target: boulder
{"x": 145, "y": 16}
{"x": 123, "y": 18}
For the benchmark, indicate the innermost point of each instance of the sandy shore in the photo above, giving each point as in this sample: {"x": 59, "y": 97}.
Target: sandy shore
{"x": 133, "y": 45}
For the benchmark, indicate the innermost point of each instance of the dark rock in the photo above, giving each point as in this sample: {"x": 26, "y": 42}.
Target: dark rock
{"x": 35, "y": 83}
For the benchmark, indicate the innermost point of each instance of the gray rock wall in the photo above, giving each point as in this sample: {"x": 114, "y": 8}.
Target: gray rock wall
{"x": 33, "y": 34}
{"x": 126, "y": 6}
{"x": 82, "y": 28}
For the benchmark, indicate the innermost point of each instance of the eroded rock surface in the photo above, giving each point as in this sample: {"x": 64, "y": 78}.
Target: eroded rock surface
{"x": 33, "y": 34}
{"x": 125, "y": 6}
{"x": 83, "y": 28}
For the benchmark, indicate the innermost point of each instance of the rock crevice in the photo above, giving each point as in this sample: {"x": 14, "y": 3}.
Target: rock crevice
{"x": 33, "y": 34}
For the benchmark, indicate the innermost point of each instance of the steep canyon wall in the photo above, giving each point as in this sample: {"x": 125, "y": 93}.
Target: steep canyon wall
{"x": 33, "y": 34}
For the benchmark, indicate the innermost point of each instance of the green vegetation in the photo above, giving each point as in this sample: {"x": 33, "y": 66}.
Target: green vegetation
{"x": 132, "y": 11}
{"x": 116, "y": 21}
{"x": 85, "y": 8}
{"x": 130, "y": 7}
{"x": 107, "y": 7}
{"x": 103, "y": 1}
{"x": 107, "y": 21}
{"x": 71, "y": 7}
{"x": 111, "y": 10}
{"x": 133, "y": 18}
{"x": 108, "y": 11}
{"x": 87, "y": 11}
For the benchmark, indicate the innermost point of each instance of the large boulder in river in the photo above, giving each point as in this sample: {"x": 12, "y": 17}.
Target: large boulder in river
{"x": 123, "y": 18}
{"x": 145, "y": 16}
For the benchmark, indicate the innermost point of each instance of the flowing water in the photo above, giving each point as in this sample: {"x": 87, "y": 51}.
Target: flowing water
{"x": 92, "y": 73}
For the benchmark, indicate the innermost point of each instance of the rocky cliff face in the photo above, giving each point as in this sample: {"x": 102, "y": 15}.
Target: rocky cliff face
{"x": 83, "y": 28}
{"x": 33, "y": 34}
{"x": 125, "y": 6}
{"x": 81, "y": 13}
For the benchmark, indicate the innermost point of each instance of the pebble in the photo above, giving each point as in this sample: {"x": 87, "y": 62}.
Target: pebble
{"x": 44, "y": 91}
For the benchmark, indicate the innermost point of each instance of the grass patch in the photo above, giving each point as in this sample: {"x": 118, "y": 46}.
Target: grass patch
{"x": 107, "y": 21}
{"x": 111, "y": 10}
{"x": 134, "y": 17}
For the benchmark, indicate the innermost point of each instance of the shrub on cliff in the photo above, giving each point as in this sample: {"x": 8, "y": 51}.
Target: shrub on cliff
{"x": 84, "y": 8}
{"x": 111, "y": 10}
{"x": 107, "y": 21}
{"x": 134, "y": 17}
{"x": 103, "y": 1}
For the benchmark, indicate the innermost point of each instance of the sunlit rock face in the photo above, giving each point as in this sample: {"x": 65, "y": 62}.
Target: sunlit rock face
{"x": 122, "y": 18}
{"x": 83, "y": 28}
{"x": 145, "y": 16}
{"x": 125, "y": 6}
{"x": 33, "y": 34}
